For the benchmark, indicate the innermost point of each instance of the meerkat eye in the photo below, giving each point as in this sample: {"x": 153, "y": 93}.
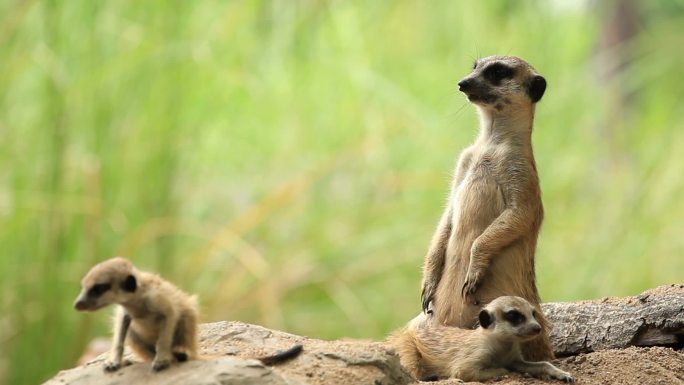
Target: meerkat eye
{"x": 497, "y": 72}
{"x": 514, "y": 317}
{"x": 99, "y": 289}
{"x": 475, "y": 64}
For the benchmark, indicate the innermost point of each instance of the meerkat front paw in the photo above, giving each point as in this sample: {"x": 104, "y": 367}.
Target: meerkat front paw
{"x": 111, "y": 366}
{"x": 563, "y": 376}
{"x": 556, "y": 374}
{"x": 426, "y": 297}
{"x": 160, "y": 364}
{"x": 472, "y": 281}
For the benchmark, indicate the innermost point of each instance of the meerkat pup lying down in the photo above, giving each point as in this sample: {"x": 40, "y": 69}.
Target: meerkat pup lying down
{"x": 159, "y": 319}
{"x": 432, "y": 351}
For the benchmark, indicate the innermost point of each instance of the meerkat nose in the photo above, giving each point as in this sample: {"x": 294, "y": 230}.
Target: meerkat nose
{"x": 536, "y": 328}
{"x": 80, "y": 305}
{"x": 464, "y": 84}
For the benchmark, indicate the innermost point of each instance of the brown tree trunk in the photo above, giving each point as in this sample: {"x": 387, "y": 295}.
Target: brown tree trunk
{"x": 654, "y": 318}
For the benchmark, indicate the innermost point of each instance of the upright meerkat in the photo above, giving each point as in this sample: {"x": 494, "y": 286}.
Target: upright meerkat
{"x": 159, "y": 319}
{"x": 485, "y": 242}
{"x": 434, "y": 351}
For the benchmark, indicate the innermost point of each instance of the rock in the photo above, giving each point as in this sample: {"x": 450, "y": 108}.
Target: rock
{"x": 229, "y": 350}
{"x": 607, "y": 341}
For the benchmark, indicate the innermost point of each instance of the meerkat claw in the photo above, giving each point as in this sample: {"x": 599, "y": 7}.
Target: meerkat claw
{"x": 111, "y": 366}
{"x": 426, "y": 303}
{"x": 469, "y": 288}
{"x": 159, "y": 365}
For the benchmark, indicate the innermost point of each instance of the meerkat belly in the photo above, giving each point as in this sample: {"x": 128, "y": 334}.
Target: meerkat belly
{"x": 477, "y": 202}
{"x": 512, "y": 270}
{"x": 145, "y": 332}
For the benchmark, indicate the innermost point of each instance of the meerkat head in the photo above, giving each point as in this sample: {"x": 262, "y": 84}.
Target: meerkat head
{"x": 511, "y": 317}
{"x": 500, "y": 83}
{"x": 111, "y": 281}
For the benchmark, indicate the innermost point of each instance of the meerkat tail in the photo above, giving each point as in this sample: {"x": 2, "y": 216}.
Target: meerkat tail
{"x": 282, "y": 356}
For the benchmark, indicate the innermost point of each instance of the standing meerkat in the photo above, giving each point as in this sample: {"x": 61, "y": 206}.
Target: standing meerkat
{"x": 485, "y": 242}
{"x": 432, "y": 351}
{"x": 159, "y": 319}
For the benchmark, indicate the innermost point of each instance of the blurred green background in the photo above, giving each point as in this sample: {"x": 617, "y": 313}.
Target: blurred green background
{"x": 288, "y": 160}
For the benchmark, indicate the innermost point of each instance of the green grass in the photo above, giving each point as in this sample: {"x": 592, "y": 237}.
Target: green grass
{"x": 288, "y": 160}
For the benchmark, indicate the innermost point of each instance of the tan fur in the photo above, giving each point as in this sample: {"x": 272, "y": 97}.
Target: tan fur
{"x": 428, "y": 349}
{"x": 485, "y": 242}
{"x": 159, "y": 319}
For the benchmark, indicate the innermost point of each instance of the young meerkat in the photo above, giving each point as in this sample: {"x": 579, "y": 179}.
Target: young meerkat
{"x": 159, "y": 319}
{"x": 485, "y": 242}
{"x": 432, "y": 351}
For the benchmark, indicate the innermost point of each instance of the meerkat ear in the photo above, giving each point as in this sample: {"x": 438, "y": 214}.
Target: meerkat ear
{"x": 129, "y": 284}
{"x": 485, "y": 318}
{"x": 536, "y": 88}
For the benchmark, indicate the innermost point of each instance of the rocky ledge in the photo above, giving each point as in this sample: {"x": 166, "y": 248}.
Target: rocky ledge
{"x": 605, "y": 341}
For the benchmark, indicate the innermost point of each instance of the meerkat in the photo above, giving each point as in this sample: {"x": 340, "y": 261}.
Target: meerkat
{"x": 485, "y": 241}
{"x": 159, "y": 319}
{"x": 432, "y": 351}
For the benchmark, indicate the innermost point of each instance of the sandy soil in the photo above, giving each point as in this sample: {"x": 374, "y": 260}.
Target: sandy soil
{"x": 631, "y": 366}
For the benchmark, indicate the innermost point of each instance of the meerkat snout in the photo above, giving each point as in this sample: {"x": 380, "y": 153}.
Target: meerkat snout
{"x": 535, "y": 329}
{"x": 465, "y": 85}
{"x": 502, "y": 81}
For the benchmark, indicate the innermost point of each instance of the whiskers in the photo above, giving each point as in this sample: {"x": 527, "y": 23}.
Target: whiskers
{"x": 459, "y": 110}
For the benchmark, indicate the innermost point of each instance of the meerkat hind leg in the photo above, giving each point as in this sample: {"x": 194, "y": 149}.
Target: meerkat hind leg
{"x": 164, "y": 349}
{"x": 184, "y": 339}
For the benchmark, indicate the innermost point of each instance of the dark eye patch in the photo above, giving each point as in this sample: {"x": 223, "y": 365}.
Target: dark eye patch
{"x": 99, "y": 289}
{"x": 475, "y": 64}
{"x": 498, "y": 72}
{"x": 514, "y": 317}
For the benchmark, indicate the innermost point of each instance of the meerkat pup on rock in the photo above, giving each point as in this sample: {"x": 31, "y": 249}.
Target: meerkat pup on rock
{"x": 433, "y": 351}
{"x": 485, "y": 242}
{"x": 159, "y": 319}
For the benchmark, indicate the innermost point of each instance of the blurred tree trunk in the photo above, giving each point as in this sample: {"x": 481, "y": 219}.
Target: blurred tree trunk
{"x": 621, "y": 24}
